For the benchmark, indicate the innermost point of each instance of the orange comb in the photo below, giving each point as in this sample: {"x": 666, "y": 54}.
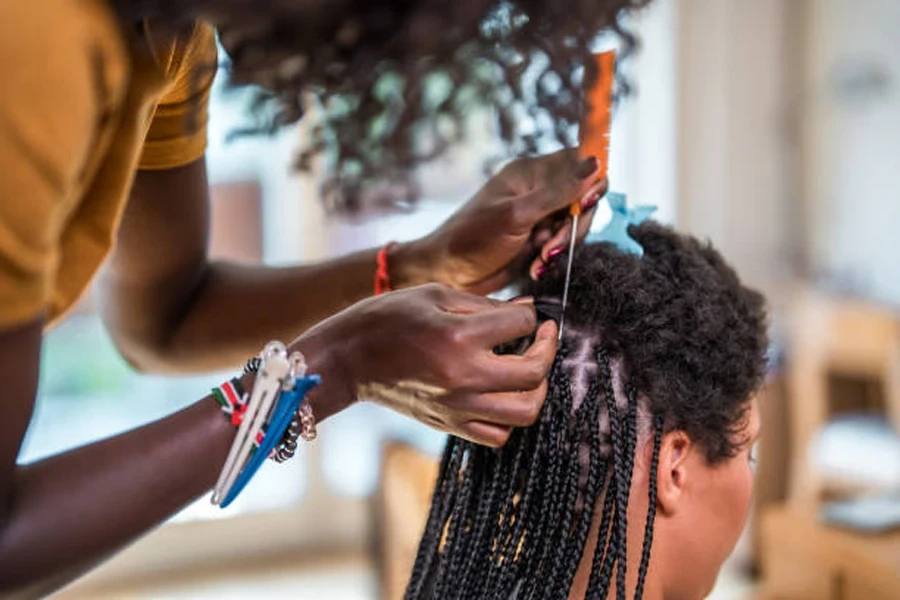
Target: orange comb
{"x": 597, "y": 120}
{"x": 593, "y": 141}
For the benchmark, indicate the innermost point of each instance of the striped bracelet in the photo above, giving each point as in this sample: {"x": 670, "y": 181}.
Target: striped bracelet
{"x": 232, "y": 400}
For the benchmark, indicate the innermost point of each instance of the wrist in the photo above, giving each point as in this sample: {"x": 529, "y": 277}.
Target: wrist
{"x": 412, "y": 264}
{"x": 326, "y": 358}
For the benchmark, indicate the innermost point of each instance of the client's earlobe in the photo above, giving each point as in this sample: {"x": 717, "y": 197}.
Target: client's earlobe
{"x": 672, "y": 475}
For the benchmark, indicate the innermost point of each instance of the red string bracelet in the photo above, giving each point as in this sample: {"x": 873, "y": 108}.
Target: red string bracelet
{"x": 382, "y": 276}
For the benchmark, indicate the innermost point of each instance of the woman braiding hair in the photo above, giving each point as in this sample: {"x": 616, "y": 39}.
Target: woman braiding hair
{"x": 103, "y": 181}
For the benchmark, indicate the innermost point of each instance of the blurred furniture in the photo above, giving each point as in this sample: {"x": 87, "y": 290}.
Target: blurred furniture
{"x": 771, "y": 478}
{"x": 844, "y": 355}
{"x": 401, "y": 510}
{"x": 805, "y": 560}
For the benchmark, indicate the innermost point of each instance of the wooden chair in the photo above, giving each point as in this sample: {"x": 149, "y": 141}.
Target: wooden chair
{"x": 401, "y": 510}
{"x": 840, "y": 337}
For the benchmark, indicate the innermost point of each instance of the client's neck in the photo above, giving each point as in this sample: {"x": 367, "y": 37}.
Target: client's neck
{"x": 653, "y": 590}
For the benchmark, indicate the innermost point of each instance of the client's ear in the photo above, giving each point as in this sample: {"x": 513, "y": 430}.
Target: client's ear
{"x": 673, "y": 472}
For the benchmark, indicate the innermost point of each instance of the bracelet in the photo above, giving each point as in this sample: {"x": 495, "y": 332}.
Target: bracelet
{"x": 382, "y": 276}
{"x": 302, "y": 426}
{"x": 263, "y": 416}
{"x": 233, "y": 402}
{"x": 290, "y": 401}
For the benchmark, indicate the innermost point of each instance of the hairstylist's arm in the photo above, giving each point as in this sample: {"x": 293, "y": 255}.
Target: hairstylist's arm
{"x": 171, "y": 309}
{"x": 60, "y": 516}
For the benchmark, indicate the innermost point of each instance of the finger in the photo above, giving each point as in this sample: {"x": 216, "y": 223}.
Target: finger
{"x": 513, "y": 409}
{"x": 463, "y": 303}
{"x": 507, "y": 322}
{"x": 485, "y": 434}
{"x": 551, "y": 198}
{"x": 554, "y": 248}
{"x": 497, "y": 281}
{"x": 559, "y": 243}
{"x": 511, "y": 373}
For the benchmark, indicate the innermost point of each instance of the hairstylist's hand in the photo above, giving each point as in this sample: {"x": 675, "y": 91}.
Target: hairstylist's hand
{"x": 427, "y": 352}
{"x": 517, "y": 222}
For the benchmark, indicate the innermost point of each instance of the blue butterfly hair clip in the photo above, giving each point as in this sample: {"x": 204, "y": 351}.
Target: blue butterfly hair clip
{"x": 616, "y": 231}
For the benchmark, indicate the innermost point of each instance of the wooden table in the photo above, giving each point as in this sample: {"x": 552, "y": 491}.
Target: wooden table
{"x": 806, "y": 560}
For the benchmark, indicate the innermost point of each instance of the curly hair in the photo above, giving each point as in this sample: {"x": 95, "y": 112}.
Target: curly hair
{"x": 393, "y": 80}
{"x": 694, "y": 338}
{"x": 669, "y": 341}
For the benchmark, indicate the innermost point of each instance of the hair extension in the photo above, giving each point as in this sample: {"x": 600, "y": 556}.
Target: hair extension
{"x": 570, "y": 558}
{"x": 438, "y": 513}
{"x": 669, "y": 341}
{"x": 651, "y": 510}
{"x": 601, "y": 569}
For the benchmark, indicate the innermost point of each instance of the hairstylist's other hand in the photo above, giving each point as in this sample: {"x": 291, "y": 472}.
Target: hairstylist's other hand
{"x": 427, "y": 352}
{"x": 518, "y": 221}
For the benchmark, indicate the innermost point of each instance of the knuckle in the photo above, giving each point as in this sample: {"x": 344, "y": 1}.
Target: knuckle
{"x": 499, "y": 439}
{"x": 527, "y": 316}
{"x": 444, "y": 373}
{"x": 452, "y": 376}
{"x": 434, "y": 291}
{"x": 510, "y": 211}
{"x": 535, "y": 405}
{"x": 534, "y": 375}
{"x": 454, "y": 335}
{"x": 516, "y": 167}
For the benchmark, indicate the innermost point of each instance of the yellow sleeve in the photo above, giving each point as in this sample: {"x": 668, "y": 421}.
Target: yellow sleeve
{"x": 177, "y": 134}
{"x": 48, "y": 109}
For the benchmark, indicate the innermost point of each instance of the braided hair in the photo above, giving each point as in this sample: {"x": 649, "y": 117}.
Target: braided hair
{"x": 394, "y": 80}
{"x": 669, "y": 341}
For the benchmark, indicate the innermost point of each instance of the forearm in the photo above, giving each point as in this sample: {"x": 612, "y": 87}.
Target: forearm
{"x": 233, "y": 310}
{"x": 238, "y": 309}
{"x": 70, "y": 511}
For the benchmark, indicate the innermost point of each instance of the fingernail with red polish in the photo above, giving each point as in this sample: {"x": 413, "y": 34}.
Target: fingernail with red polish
{"x": 590, "y": 202}
{"x": 586, "y": 167}
{"x": 555, "y": 252}
{"x": 540, "y": 271}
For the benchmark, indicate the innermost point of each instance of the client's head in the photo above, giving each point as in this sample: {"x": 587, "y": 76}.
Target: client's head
{"x": 636, "y": 479}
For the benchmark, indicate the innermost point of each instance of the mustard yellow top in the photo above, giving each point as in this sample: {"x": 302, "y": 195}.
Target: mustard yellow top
{"x": 81, "y": 109}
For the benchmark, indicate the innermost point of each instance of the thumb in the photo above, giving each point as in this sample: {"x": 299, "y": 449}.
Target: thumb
{"x": 545, "y": 345}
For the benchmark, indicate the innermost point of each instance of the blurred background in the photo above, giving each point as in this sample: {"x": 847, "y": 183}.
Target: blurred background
{"x": 772, "y": 128}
